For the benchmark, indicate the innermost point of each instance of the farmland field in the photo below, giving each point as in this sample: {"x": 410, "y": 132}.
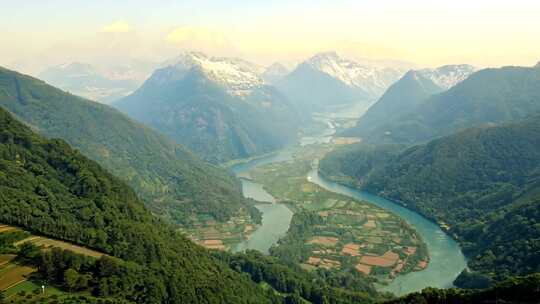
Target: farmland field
{"x": 336, "y": 232}
{"x": 13, "y": 274}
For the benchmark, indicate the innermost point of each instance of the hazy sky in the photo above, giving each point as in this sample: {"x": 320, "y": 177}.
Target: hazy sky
{"x": 37, "y": 33}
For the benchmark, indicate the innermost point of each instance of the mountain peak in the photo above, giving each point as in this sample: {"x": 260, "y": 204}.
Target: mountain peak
{"x": 447, "y": 76}
{"x": 330, "y": 55}
{"x": 238, "y": 76}
{"x": 371, "y": 79}
{"x": 274, "y": 72}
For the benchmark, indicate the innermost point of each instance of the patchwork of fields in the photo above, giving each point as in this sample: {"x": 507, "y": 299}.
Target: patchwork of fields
{"x": 13, "y": 274}
{"x": 221, "y": 236}
{"x": 335, "y": 232}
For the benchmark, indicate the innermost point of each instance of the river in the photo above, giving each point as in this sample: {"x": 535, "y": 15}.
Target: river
{"x": 446, "y": 258}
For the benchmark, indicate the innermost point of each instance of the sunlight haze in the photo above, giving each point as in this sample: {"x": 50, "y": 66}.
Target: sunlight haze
{"x": 483, "y": 33}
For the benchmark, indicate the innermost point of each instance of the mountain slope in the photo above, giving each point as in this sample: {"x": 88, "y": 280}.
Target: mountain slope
{"x": 218, "y": 107}
{"x": 407, "y": 93}
{"x": 400, "y": 98}
{"x": 327, "y": 79}
{"x": 49, "y": 188}
{"x": 484, "y": 183}
{"x": 486, "y": 97}
{"x": 172, "y": 180}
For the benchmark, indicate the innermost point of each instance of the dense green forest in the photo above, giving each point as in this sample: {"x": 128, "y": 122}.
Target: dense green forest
{"x": 298, "y": 284}
{"x": 173, "y": 181}
{"x": 486, "y": 97}
{"x": 522, "y": 290}
{"x": 191, "y": 108}
{"x": 49, "y": 188}
{"x": 483, "y": 183}
{"x": 351, "y": 164}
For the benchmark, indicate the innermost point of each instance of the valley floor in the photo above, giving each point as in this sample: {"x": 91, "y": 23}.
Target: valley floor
{"x": 335, "y": 232}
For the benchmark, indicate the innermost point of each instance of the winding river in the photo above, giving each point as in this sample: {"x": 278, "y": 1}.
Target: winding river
{"x": 446, "y": 258}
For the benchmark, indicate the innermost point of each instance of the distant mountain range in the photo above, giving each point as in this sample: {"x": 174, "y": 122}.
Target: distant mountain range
{"x": 327, "y": 79}
{"x": 173, "y": 181}
{"x": 274, "y": 73}
{"x": 96, "y": 84}
{"x": 489, "y": 96}
{"x": 221, "y": 108}
{"x": 407, "y": 93}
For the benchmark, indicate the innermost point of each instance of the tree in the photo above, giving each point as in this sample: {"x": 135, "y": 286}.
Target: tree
{"x": 71, "y": 277}
{"x": 2, "y": 297}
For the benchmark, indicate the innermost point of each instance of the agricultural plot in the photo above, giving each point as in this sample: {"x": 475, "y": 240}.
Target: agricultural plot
{"x": 221, "y": 236}
{"x": 333, "y": 231}
{"x": 13, "y": 274}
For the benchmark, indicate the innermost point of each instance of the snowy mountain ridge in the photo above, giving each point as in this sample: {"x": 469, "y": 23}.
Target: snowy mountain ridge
{"x": 238, "y": 76}
{"x": 372, "y": 79}
{"x": 449, "y": 75}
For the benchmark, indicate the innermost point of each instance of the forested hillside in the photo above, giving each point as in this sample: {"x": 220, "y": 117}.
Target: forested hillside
{"x": 49, "y": 188}
{"x": 522, "y": 290}
{"x": 483, "y": 183}
{"x": 174, "y": 182}
{"x": 489, "y": 96}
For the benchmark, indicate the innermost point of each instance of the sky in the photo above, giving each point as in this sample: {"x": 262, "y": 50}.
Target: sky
{"x": 36, "y": 33}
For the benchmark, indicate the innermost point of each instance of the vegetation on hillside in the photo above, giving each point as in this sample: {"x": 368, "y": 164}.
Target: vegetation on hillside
{"x": 482, "y": 184}
{"x": 522, "y": 290}
{"x": 174, "y": 182}
{"x": 49, "y": 188}
{"x": 487, "y": 97}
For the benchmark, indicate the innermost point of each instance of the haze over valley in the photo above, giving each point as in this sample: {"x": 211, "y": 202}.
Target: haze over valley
{"x": 224, "y": 152}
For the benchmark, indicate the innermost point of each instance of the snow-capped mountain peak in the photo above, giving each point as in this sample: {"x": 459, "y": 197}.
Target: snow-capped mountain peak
{"x": 275, "y": 72}
{"x": 238, "y": 76}
{"x": 449, "y": 75}
{"x": 372, "y": 79}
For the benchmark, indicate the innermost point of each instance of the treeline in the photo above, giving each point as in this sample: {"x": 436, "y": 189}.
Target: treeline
{"x": 522, "y": 290}
{"x": 299, "y": 285}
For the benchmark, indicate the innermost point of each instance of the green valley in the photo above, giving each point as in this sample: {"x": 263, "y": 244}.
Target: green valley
{"x": 334, "y": 232}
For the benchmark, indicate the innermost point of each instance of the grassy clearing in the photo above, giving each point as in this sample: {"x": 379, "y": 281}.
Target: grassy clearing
{"x": 12, "y": 274}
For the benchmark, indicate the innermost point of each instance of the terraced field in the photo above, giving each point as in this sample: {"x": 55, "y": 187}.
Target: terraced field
{"x": 221, "y": 236}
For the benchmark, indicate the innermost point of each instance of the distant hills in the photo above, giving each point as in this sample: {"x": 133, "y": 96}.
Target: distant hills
{"x": 327, "y": 79}
{"x": 90, "y": 82}
{"x": 482, "y": 183}
{"x": 220, "y": 108}
{"x": 489, "y": 96}
{"x": 407, "y": 93}
{"x": 174, "y": 182}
